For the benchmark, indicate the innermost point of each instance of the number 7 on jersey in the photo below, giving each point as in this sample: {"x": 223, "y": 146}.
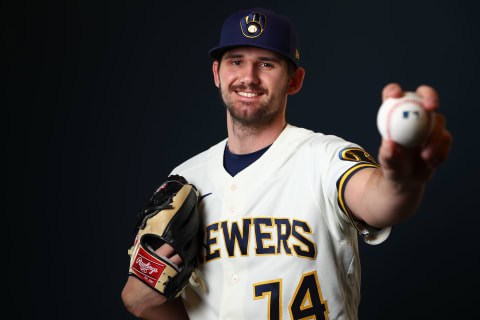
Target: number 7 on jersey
{"x": 307, "y": 302}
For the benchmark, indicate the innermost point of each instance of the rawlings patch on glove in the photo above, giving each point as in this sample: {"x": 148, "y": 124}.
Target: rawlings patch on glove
{"x": 170, "y": 216}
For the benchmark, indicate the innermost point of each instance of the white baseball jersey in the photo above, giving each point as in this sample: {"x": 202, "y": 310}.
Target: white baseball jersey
{"x": 279, "y": 241}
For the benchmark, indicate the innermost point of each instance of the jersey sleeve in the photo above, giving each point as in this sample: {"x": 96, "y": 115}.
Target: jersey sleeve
{"x": 344, "y": 159}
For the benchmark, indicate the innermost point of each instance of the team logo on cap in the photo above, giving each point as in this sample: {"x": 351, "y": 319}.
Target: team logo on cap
{"x": 253, "y": 24}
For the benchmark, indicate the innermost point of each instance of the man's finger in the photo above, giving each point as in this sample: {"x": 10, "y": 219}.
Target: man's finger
{"x": 386, "y": 154}
{"x": 429, "y": 96}
{"x": 435, "y": 139}
{"x": 445, "y": 146}
{"x": 392, "y": 90}
{"x": 165, "y": 250}
{"x": 176, "y": 259}
{"x": 168, "y": 251}
{"x": 436, "y": 150}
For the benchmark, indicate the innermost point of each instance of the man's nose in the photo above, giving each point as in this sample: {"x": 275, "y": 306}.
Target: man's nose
{"x": 249, "y": 74}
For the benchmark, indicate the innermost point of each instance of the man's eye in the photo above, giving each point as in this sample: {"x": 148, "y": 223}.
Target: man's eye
{"x": 236, "y": 62}
{"x": 266, "y": 65}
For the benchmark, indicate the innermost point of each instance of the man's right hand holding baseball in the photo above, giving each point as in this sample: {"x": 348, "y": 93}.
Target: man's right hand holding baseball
{"x": 391, "y": 194}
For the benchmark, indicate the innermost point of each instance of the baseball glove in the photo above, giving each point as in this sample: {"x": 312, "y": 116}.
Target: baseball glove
{"x": 170, "y": 216}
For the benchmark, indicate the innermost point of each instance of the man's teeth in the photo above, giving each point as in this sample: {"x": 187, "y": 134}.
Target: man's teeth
{"x": 248, "y": 94}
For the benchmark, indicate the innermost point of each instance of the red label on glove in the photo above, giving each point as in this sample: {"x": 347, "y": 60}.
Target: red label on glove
{"x": 147, "y": 267}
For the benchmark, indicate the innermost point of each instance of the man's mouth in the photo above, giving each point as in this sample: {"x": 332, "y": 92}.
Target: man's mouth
{"x": 248, "y": 94}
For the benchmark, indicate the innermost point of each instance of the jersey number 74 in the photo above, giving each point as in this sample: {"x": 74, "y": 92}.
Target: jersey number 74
{"x": 307, "y": 302}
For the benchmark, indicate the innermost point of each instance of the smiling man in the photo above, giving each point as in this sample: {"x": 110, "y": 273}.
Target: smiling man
{"x": 284, "y": 205}
{"x": 254, "y": 84}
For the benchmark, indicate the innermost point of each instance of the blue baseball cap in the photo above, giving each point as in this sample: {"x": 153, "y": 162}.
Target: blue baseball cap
{"x": 259, "y": 28}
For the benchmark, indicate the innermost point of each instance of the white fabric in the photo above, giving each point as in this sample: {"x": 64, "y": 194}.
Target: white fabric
{"x": 291, "y": 186}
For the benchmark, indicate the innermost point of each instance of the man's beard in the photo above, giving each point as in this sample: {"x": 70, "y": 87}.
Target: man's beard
{"x": 261, "y": 116}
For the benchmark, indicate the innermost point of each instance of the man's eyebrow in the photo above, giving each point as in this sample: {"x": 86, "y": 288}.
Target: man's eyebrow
{"x": 233, "y": 56}
{"x": 270, "y": 58}
{"x": 261, "y": 58}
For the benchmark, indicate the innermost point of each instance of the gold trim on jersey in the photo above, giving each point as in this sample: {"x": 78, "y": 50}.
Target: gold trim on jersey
{"x": 211, "y": 241}
{"x": 310, "y": 245}
{"x": 341, "y": 184}
{"x": 263, "y": 235}
{"x": 243, "y": 232}
{"x": 272, "y": 236}
{"x": 310, "y": 300}
{"x": 272, "y": 295}
{"x": 283, "y": 238}
{"x": 357, "y": 155}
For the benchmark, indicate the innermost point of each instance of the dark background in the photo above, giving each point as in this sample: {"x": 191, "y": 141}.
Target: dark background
{"x": 104, "y": 98}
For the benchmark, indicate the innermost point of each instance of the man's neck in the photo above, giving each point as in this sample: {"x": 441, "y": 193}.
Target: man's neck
{"x": 247, "y": 139}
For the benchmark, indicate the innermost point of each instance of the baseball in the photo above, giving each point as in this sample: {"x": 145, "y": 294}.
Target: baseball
{"x": 404, "y": 120}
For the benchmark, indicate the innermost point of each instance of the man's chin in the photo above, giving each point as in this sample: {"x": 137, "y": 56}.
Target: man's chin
{"x": 251, "y": 114}
{"x": 251, "y": 119}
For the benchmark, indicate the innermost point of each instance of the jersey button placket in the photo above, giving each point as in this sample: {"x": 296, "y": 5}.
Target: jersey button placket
{"x": 233, "y": 199}
{"x": 235, "y": 279}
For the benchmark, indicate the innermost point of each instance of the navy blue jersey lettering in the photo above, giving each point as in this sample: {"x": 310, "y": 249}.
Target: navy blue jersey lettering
{"x": 311, "y": 251}
{"x": 282, "y": 236}
{"x": 261, "y": 236}
{"x": 210, "y": 241}
{"x": 234, "y": 235}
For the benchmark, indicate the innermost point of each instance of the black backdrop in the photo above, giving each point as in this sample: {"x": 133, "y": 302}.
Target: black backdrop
{"x": 104, "y": 98}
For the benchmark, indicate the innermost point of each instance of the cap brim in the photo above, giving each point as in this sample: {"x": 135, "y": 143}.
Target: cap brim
{"x": 217, "y": 52}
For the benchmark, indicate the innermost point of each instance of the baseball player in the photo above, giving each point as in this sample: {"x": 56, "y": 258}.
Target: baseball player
{"x": 281, "y": 207}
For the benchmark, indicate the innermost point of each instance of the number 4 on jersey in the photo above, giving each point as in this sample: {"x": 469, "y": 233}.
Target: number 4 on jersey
{"x": 307, "y": 302}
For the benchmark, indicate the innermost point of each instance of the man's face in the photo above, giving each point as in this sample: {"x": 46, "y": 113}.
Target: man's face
{"x": 253, "y": 84}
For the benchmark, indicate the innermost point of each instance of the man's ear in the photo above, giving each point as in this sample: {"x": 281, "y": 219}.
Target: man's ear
{"x": 216, "y": 78}
{"x": 296, "y": 81}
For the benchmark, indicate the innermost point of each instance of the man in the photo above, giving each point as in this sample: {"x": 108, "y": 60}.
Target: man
{"x": 282, "y": 205}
